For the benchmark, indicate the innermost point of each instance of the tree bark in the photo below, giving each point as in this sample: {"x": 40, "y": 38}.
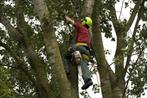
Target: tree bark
{"x": 36, "y": 64}
{"x": 121, "y": 32}
{"x": 52, "y": 48}
{"x": 100, "y": 56}
{"x": 87, "y": 8}
{"x": 15, "y": 34}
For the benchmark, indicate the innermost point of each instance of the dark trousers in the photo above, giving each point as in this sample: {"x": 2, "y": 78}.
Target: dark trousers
{"x": 86, "y": 74}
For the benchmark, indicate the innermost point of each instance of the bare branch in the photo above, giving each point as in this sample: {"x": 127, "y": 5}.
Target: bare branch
{"x": 114, "y": 19}
{"x": 20, "y": 64}
{"x": 121, "y": 8}
{"x": 127, "y": 82}
{"x": 130, "y": 49}
{"x": 131, "y": 19}
{"x": 133, "y": 15}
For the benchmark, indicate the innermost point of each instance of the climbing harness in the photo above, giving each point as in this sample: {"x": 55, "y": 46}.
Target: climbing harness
{"x": 77, "y": 56}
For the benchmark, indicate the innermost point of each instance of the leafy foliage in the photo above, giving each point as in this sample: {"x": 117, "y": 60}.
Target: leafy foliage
{"x": 138, "y": 77}
{"x": 14, "y": 82}
{"x": 5, "y": 85}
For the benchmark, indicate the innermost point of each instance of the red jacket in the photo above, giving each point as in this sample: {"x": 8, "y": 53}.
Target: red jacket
{"x": 82, "y": 33}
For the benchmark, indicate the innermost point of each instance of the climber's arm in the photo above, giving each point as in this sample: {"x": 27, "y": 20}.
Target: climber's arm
{"x": 69, "y": 19}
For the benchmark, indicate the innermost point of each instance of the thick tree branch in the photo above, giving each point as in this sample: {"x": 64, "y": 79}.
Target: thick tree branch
{"x": 52, "y": 48}
{"x": 107, "y": 76}
{"x": 129, "y": 55}
{"x": 87, "y": 8}
{"x": 13, "y": 32}
{"x": 130, "y": 48}
{"x": 41, "y": 11}
{"x": 127, "y": 82}
{"x": 133, "y": 15}
{"x": 114, "y": 20}
{"x": 121, "y": 33}
{"x": 20, "y": 63}
{"x": 37, "y": 66}
{"x": 119, "y": 58}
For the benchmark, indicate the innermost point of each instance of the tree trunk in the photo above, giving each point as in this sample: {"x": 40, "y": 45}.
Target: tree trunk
{"x": 87, "y": 8}
{"x": 121, "y": 32}
{"x": 102, "y": 65}
{"x": 52, "y": 49}
{"x": 107, "y": 76}
{"x": 73, "y": 79}
{"x": 51, "y": 46}
{"x": 37, "y": 66}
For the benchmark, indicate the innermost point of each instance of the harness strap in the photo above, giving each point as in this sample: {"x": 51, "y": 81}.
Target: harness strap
{"x": 81, "y": 44}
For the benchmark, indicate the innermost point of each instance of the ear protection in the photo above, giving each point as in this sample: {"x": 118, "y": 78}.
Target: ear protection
{"x": 84, "y": 21}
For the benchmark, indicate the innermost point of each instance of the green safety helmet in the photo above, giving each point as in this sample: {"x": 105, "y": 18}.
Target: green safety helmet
{"x": 87, "y": 21}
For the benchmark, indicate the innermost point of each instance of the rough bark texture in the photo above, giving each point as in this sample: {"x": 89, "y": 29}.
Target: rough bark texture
{"x": 37, "y": 66}
{"x": 56, "y": 61}
{"x": 100, "y": 56}
{"x": 17, "y": 36}
{"x": 112, "y": 85}
{"x": 52, "y": 49}
{"x": 87, "y": 8}
{"x": 73, "y": 79}
{"x": 121, "y": 32}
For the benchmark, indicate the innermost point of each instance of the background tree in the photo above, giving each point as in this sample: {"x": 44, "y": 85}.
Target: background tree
{"x": 38, "y": 60}
{"x": 113, "y": 84}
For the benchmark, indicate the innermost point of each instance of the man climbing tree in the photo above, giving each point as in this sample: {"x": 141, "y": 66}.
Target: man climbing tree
{"x": 82, "y": 43}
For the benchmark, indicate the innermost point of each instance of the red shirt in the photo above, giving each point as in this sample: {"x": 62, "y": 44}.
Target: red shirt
{"x": 82, "y": 33}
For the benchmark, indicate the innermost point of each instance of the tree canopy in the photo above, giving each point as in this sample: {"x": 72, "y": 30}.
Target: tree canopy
{"x": 34, "y": 35}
